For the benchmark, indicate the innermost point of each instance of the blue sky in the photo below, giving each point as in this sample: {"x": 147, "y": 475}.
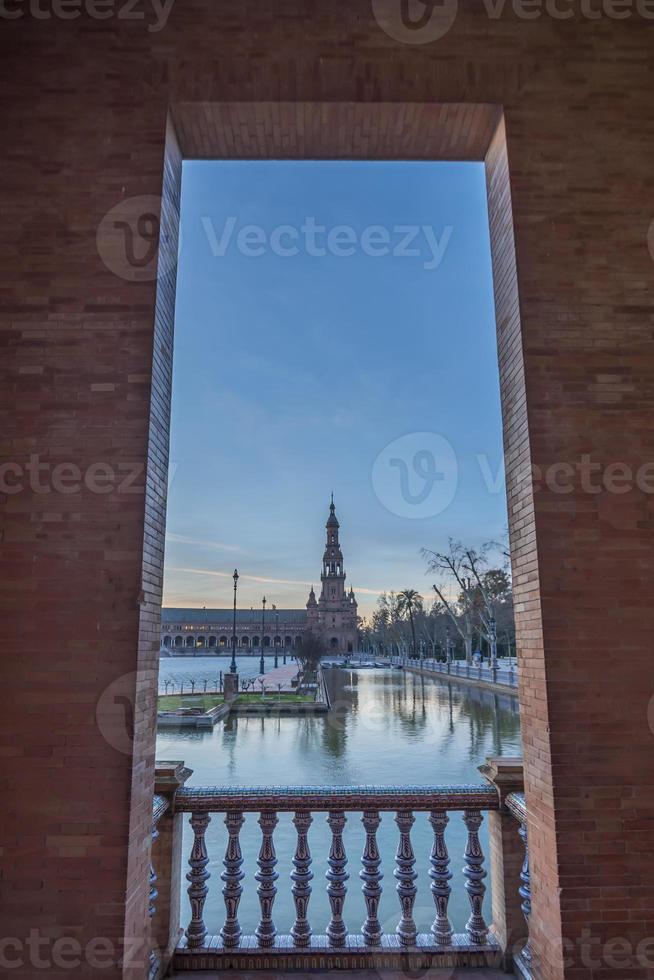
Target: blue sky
{"x": 302, "y": 352}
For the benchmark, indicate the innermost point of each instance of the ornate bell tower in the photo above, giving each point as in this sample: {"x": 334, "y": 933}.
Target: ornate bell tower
{"x": 334, "y": 615}
{"x": 333, "y": 573}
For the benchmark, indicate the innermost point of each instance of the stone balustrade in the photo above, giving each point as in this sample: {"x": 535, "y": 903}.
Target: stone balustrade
{"x": 515, "y": 803}
{"x": 479, "y": 944}
{"x": 498, "y": 676}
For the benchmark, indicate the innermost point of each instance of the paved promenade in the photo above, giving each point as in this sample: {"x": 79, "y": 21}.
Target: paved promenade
{"x": 278, "y": 675}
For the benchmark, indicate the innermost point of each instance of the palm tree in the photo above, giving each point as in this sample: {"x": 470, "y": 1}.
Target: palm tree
{"x": 410, "y": 601}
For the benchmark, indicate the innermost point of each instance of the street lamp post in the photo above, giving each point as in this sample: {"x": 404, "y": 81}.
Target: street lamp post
{"x": 262, "y": 665}
{"x": 276, "y": 635}
{"x": 232, "y": 667}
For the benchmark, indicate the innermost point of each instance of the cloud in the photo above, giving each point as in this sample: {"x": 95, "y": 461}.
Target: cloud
{"x": 269, "y": 580}
{"x": 247, "y": 578}
{"x": 203, "y": 543}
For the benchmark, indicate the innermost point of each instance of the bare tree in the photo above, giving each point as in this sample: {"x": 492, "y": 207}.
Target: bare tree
{"x": 455, "y": 565}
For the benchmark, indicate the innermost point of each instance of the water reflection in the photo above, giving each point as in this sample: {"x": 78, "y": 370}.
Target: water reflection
{"x": 386, "y": 728}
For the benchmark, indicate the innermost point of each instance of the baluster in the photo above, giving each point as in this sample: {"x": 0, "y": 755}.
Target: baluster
{"x": 406, "y": 889}
{"x": 336, "y": 876}
{"x": 476, "y": 928}
{"x": 266, "y": 876}
{"x": 231, "y": 876}
{"x": 198, "y": 876}
{"x": 301, "y": 876}
{"x": 440, "y": 875}
{"x": 525, "y": 889}
{"x": 371, "y": 877}
{"x": 153, "y": 959}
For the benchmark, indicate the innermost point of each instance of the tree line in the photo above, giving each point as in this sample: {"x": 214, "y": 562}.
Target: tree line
{"x": 470, "y": 608}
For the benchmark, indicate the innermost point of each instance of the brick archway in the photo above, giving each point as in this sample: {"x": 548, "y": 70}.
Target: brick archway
{"x": 92, "y": 351}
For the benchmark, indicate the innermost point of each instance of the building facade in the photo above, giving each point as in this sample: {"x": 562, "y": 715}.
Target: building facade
{"x": 333, "y": 617}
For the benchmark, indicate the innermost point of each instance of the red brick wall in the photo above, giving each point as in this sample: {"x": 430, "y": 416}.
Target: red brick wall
{"x": 85, "y": 105}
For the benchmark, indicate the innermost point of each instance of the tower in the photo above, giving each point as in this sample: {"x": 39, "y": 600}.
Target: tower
{"x": 334, "y": 615}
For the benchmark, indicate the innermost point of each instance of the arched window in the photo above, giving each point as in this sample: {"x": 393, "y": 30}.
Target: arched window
{"x": 200, "y": 641}
{"x": 245, "y": 641}
{"x": 212, "y": 641}
{"x": 266, "y": 641}
{"x": 288, "y": 641}
{"x": 167, "y": 641}
{"x": 179, "y": 641}
{"x": 190, "y": 641}
{"x": 255, "y": 641}
{"x": 223, "y": 641}
{"x": 277, "y": 641}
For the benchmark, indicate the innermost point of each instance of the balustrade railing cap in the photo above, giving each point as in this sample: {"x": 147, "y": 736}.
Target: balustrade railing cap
{"x": 219, "y": 799}
{"x": 515, "y": 804}
{"x": 505, "y": 773}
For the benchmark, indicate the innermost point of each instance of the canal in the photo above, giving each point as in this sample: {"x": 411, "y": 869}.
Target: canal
{"x": 387, "y": 728}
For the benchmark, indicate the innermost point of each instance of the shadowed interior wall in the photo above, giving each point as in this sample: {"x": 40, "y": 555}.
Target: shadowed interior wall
{"x": 86, "y": 370}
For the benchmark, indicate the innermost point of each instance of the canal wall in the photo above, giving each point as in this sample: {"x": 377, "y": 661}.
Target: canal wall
{"x": 469, "y": 681}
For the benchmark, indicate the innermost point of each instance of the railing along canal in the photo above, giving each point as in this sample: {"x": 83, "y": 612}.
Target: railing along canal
{"x": 506, "y": 676}
{"x": 479, "y": 944}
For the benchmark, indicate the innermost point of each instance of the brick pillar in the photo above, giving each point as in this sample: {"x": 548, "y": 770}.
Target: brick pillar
{"x": 230, "y": 685}
{"x": 167, "y": 861}
{"x": 506, "y": 856}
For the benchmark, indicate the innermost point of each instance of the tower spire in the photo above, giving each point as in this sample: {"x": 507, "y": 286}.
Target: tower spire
{"x": 334, "y": 615}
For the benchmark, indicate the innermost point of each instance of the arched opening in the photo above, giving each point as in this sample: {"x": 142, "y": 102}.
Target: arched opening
{"x": 288, "y": 641}
{"x": 266, "y": 641}
{"x": 179, "y": 641}
{"x": 349, "y": 648}
{"x": 277, "y": 641}
{"x": 212, "y": 641}
{"x": 167, "y": 640}
{"x": 255, "y": 641}
{"x": 245, "y": 641}
{"x": 223, "y": 641}
{"x": 298, "y": 641}
{"x": 200, "y": 641}
{"x": 334, "y": 643}
{"x": 190, "y": 641}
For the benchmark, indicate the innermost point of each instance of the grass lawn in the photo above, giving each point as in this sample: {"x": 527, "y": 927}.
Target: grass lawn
{"x": 290, "y": 697}
{"x": 171, "y": 702}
